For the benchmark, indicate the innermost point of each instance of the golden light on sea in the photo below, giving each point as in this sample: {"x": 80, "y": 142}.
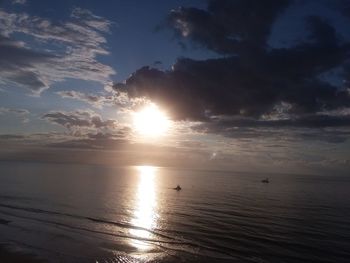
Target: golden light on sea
{"x": 145, "y": 215}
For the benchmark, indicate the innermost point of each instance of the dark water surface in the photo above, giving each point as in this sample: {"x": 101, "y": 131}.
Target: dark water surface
{"x": 82, "y": 213}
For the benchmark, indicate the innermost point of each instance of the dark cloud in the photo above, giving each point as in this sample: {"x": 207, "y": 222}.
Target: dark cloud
{"x": 79, "y": 119}
{"x": 86, "y": 129}
{"x": 19, "y": 2}
{"x": 228, "y": 27}
{"x": 11, "y": 136}
{"x": 121, "y": 133}
{"x": 326, "y": 128}
{"x": 252, "y": 79}
{"x": 333, "y": 136}
{"x": 106, "y": 142}
{"x": 17, "y": 62}
{"x": 307, "y": 121}
{"x": 344, "y": 6}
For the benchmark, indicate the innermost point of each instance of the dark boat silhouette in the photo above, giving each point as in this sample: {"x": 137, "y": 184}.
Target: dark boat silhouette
{"x": 177, "y": 188}
{"x": 265, "y": 181}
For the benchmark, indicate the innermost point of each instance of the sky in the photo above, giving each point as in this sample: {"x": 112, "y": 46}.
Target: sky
{"x": 246, "y": 85}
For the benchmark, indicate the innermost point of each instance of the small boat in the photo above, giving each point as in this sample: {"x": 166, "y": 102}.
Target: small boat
{"x": 177, "y": 188}
{"x": 265, "y": 181}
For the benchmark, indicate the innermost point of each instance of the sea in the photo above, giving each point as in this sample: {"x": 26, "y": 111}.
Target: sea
{"x": 92, "y": 213}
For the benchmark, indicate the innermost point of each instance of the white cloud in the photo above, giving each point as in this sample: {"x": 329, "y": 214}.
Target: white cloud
{"x": 337, "y": 112}
{"x": 62, "y": 50}
{"x": 103, "y": 99}
{"x": 91, "y": 20}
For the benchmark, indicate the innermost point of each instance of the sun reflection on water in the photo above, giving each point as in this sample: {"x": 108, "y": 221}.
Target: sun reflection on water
{"x": 145, "y": 215}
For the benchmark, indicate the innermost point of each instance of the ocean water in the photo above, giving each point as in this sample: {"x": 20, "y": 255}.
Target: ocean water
{"x": 85, "y": 213}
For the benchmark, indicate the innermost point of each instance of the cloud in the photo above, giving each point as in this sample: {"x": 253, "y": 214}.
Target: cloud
{"x": 11, "y": 136}
{"x": 20, "y": 64}
{"x": 336, "y": 131}
{"x": 92, "y": 99}
{"x": 19, "y": 2}
{"x": 87, "y": 125}
{"x": 306, "y": 121}
{"x": 97, "y": 101}
{"x": 89, "y": 19}
{"x": 15, "y": 111}
{"x": 21, "y": 113}
{"x": 86, "y": 129}
{"x": 80, "y": 121}
{"x": 62, "y": 50}
{"x": 228, "y": 27}
{"x": 252, "y": 80}
{"x": 260, "y": 153}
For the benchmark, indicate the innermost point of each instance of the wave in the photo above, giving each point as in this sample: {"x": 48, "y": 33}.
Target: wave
{"x": 161, "y": 241}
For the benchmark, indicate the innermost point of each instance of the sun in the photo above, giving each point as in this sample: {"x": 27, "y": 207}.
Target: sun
{"x": 151, "y": 121}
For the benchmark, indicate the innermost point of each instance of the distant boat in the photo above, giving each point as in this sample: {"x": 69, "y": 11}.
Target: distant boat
{"x": 177, "y": 188}
{"x": 265, "y": 181}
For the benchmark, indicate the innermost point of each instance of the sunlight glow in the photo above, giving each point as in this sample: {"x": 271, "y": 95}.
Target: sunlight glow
{"x": 151, "y": 121}
{"x": 145, "y": 215}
